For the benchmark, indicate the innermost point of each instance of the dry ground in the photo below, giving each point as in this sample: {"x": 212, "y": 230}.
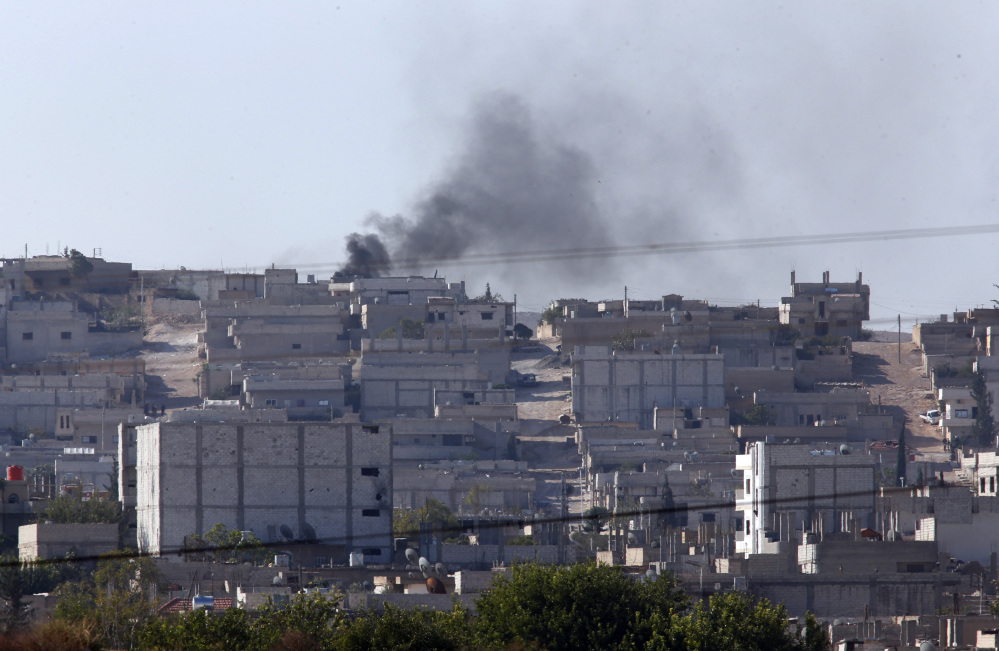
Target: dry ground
{"x": 902, "y": 387}
{"x": 170, "y": 351}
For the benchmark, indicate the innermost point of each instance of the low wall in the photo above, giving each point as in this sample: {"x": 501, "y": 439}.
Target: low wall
{"x": 176, "y": 307}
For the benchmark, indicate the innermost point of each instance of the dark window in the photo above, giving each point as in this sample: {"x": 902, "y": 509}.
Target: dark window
{"x": 371, "y": 551}
{"x": 371, "y": 513}
{"x": 14, "y": 499}
{"x": 299, "y": 403}
{"x": 27, "y": 336}
{"x": 296, "y": 346}
{"x": 369, "y": 472}
{"x": 801, "y": 321}
{"x": 64, "y": 281}
{"x": 65, "y": 335}
{"x": 90, "y": 439}
{"x": 370, "y": 429}
{"x": 487, "y": 316}
{"x": 452, "y": 439}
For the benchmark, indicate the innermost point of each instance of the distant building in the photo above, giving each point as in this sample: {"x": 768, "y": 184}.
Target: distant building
{"x": 627, "y": 386}
{"x": 826, "y": 308}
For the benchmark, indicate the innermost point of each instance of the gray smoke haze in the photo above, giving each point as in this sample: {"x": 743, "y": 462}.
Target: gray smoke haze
{"x": 512, "y": 187}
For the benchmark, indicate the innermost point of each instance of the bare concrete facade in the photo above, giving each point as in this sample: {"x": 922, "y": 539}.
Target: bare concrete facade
{"x": 827, "y": 308}
{"x": 332, "y": 481}
{"x": 50, "y": 540}
{"x": 627, "y": 386}
{"x": 790, "y": 486}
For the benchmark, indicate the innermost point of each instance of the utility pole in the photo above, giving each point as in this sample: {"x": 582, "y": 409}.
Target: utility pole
{"x": 515, "y": 319}
{"x": 899, "y": 338}
{"x": 626, "y": 301}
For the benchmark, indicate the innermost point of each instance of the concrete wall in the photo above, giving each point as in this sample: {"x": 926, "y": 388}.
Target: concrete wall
{"x": 626, "y": 386}
{"x": 336, "y": 477}
{"x": 173, "y": 306}
{"x": 51, "y": 540}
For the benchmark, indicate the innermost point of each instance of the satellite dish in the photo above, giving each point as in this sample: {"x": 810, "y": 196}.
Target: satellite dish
{"x": 844, "y": 449}
{"x": 366, "y": 585}
{"x": 412, "y": 556}
{"x": 632, "y": 539}
{"x": 308, "y": 532}
{"x": 435, "y": 586}
{"x": 286, "y": 532}
{"x": 425, "y": 567}
{"x": 441, "y": 570}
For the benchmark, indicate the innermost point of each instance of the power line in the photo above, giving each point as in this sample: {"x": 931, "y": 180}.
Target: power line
{"x": 880, "y": 491}
{"x": 674, "y": 248}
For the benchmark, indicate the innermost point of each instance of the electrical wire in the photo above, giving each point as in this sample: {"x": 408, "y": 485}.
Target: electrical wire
{"x": 880, "y": 491}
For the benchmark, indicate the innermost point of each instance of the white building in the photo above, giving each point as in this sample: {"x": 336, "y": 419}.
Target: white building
{"x": 788, "y": 486}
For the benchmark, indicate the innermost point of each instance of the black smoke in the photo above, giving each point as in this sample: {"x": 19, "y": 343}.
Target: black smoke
{"x": 512, "y": 188}
{"x": 366, "y": 257}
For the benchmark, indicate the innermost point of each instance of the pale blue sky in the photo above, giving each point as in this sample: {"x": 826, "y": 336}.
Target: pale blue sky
{"x": 202, "y": 134}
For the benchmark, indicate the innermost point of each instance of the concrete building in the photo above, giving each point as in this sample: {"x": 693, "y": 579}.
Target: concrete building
{"x": 626, "y": 386}
{"x": 250, "y": 331}
{"x": 51, "y": 540}
{"x": 400, "y": 379}
{"x": 329, "y": 482}
{"x": 827, "y": 308}
{"x": 791, "y": 487}
{"x": 38, "y": 329}
{"x": 958, "y": 412}
{"x": 53, "y": 274}
{"x": 303, "y": 392}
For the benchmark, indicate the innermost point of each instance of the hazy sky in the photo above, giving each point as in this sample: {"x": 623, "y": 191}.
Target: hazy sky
{"x": 244, "y": 134}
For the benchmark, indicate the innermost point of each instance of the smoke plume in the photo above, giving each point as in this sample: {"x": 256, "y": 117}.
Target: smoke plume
{"x": 366, "y": 257}
{"x": 511, "y": 188}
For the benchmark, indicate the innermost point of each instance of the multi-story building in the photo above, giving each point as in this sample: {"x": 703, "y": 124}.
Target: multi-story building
{"x": 325, "y": 483}
{"x": 791, "y": 486}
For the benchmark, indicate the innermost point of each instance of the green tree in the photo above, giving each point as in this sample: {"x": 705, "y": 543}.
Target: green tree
{"x": 73, "y": 510}
{"x": 400, "y": 628}
{"x": 474, "y": 497}
{"x": 405, "y": 523}
{"x": 551, "y": 313}
{"x": 79, "y": 265}
{"x": 595, "y": 518}
{"x": 221, "y": 544}
{"x": 625, "y": 340}
{"x": 488, "y": 296}
{"x": 738, "y": 621}
{"x": 984, "y": 429}
{"x": 760, "y": 415}
{"x": 118, "y": 599}
{"x": 437, "y": 515}
{"x": 411, "y": 329}
{"x": 584, "y": 606}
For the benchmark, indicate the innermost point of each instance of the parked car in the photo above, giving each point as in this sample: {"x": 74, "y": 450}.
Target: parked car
{"x": 932, "y": 417}
{"x": 528, "y": 380}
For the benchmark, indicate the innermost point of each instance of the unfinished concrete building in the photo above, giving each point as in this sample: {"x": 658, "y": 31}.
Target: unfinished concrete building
{"x": 250, "y": 331}
{"x": 790, "y": 488}
{"x": 827, "y": 308}
{"x": 400, "y": 378}
{"x": 327, "y": 483}
{"x": 627, "y": 386}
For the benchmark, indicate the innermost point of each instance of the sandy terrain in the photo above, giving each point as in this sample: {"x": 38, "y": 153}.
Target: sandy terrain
{"x": 171, "y": 354}
{"x": 903, "y": 388}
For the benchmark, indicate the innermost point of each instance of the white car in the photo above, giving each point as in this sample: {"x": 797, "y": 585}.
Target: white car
{"x": 932, "y": 416}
